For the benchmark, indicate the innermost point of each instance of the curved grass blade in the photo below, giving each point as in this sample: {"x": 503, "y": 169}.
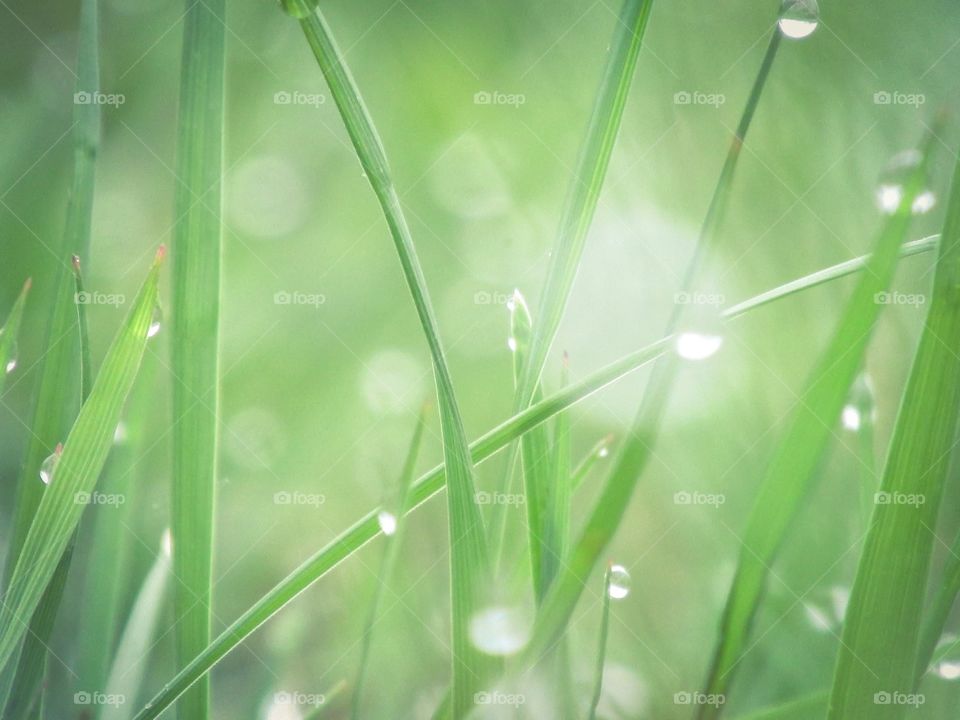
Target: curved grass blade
{"x": 809, "y": 430}
{"x": 196, "y": 332}
{"x": 585, "y": 187}
{"x": 79, "y": 466}
{"x": 602, "y": 646}
{"x": 9, "y": 333}
{"x": 559, "y": 492}
{"x": 469, "y": 558}
{"x": 597, "y": 453}
{"x": 877, "y": 657}
{"x": 130, "y": 660}
{"x": 432, "y": 482}
{"x": 388, "y": 564}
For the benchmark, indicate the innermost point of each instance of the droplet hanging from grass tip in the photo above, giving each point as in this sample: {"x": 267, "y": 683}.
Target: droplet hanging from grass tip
{"x": 155, "y": 322}
{"x": 49, "y": 465}
{"x": 798, "y": 18}
{"x": 618, "y": 583}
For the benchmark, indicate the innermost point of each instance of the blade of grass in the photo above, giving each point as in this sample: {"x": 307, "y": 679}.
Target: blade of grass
{"x": 597, "y": 453}
{"x": 469, "y": 558}
{"x": 935, "y": 622}
{"x": 559, "y": 491}
{"x": 9, "y": 333}
{"x": 878, "y": 651}
{"x": 196, "y": 333}
{"x": 432, "y": 482}
{"x": 635, "y": 451}
{"x": 391, "y": 552}
{"x": 809, "y": 430}
{"x": 130, "y": 660}
{"x": 804, "y": 708}
{"x": 79, "y": 466}
{"x": 602, "y": 645}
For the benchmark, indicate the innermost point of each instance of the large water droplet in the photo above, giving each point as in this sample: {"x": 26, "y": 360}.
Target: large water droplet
{"x": 893, "y": 179}
{"x": 798, "y": 18}
{"x": 155, "y": 322}
{"x": 500, "y": 630}
{"x": 619, "y": 586}
{"x": 387, "y": 522}
{"x": 851, "y": 417}
{"x": 11, "y": 365}
{"x": 947, "y": 670}
{"x": 694, "y": 345}
{"x": 48, "y": 466}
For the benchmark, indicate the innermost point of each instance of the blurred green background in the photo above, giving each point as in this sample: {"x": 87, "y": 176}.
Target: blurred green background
{"x": 321, "y": 398}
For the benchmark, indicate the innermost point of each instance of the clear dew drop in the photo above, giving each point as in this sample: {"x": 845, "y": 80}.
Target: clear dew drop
{"x": 500, "y": 630}
{"x": 603, "y": 452}
{"x": 166, "y": 543}
{"x": 692, "y": 345}
{"x": 512, "y": 344}
{"x": 798, "y": 18}
{"x": 155, "y": 322}
{"x": 892, "y": 182}
{"x": 11, "y": 365}
{"x": 387, "y": 522}
{"x": 48, "y": 466}
{"x": 619, "y": 585}
{"x": 947, "y": 670}
{"x": 120, "y": 433}
{"x": 851, "y": 418}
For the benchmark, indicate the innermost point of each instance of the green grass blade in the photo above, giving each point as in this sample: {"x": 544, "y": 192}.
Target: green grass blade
{"x": 469, "y": 557}
{"x": 935, "y": 622}
{"x": 585, "y": 187}
{"x": 196, "y": 333}
{"x": 391, "y": 552}
{"x": 804, "y": 708}
{"x": 86, "y": 365}
{"x": 432, "y": 482}
{"x": 9, "y": 333}
{"x": 79, "y": 466}
{"x": 808, "y": 431}
{"x": 559, "y": 492}
{"x": 878, "y": 652}
{"x": 597, "y": 453}
{"x": 130, "y": 659}
{"x": 601, "y": 646}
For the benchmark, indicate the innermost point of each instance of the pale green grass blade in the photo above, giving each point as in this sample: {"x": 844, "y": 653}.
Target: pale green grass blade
{"x": 808, "y": 431}
{"x": 878, "y": 651}
{"x": 935, "y": 622}
{"x": 133, "y": 650}
{"x": 804, "y": 708}
{"x": 469, "y": 557}
{"x": 601, "y": 660}
{"x": 585, "y": 187}
{"x": 429, "y": 484}
{"x": 196, "y": 333}
{"x": 391, "y": 552}
{"x": 8, "y": 335}
{"x": 598, "y": 452}
{"x": 559, "y": 492}
{"x": 79, "y": 466}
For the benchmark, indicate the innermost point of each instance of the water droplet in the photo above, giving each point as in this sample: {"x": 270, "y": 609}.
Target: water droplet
{"x": 155, "y": 322}
{"x": 947, "y": 670}
{"x": 387, "y": 522}
{"x": 11, "y": 364}
{"x": 893, "y": 179}
{"x": 619, "y": 586}
{"x": 48, "y": 466}
{"x": 500, "y": 630}
{"x": 120, "y": 433}
{"x": 512, "y": 344}
{"x": 798, "y": 18}
{"x": 166, "y": 543}
{"x": 697, "y": 345}
{"x": 851, "y": 418}
{"x": 603, "y": 452}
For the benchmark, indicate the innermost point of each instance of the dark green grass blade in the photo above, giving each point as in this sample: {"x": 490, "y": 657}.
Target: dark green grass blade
{"x": 808, "y": 431}
{"x": 469, "y": 558}
{"x": 585, "y": 188}
{"x": 391, "y": 552}
{"x": 601, "y": 647}
{"x": 195, "y": 336}
{"x": 83, "y": 456}
{"x": 9, "y": 333}
{"x": 878, "y": 652}
{"x": 935, "y": 622}
{"x": 429, "y": 484}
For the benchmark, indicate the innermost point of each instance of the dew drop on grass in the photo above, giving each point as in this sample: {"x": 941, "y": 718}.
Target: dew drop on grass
{"x": 603, "y": 452}
{"x": 155, "y": 322}
{"x": 798, "y": 18}
{"x": 166, "y": 543}
{"x": 892, "y": 181}
{"x": 947, "y": 670}
{"x": 692, "y": 345}
{"x": 851, "y": 418}
{"x": 120, "y": 433}
{"x": 512, "y": 344}
{"x": 619, "y": 586}
{"x": 387, "y": 522}
{"x": 48, "y": 466}
{"x": 11, "y": 365}
{"x": 500, "y": 630}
